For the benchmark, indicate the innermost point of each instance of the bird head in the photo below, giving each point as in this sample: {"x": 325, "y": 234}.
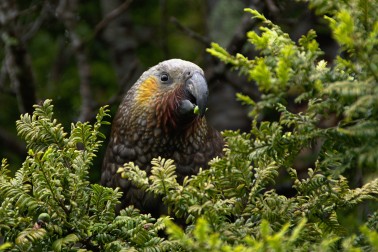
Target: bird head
{"x": 175, "y": 90}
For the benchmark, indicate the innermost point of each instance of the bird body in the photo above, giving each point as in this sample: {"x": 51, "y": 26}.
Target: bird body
{"x": 157, "y": 118}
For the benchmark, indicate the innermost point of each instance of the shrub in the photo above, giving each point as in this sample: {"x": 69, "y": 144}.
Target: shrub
{"x": 50, "y": 204}
{"x": 234, "y": 205}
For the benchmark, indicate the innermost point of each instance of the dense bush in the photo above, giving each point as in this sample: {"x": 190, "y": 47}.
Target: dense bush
{"x": 330, "y": 109}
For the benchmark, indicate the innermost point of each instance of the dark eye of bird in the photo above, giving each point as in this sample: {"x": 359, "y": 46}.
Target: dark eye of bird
{"x": 164, "y": 77}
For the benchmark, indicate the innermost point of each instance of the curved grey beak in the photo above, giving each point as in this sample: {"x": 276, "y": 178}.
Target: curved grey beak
{"x": 196, "y": 85}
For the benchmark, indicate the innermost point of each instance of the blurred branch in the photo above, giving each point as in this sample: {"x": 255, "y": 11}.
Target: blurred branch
{"x": 66, "y": 12}
{"x": 20, "y": 73}
{"x": 239, "y": 38}
{"x": 220, "y": 71}
{"x": 8, "y": 12}
{"x": 17, "y": 59}
{"x": 34, "y": 27}
{"x": 111, "y": 16}
{"x": 203, "y": 39}
{"x": 272, "y": 7}
{"x": 122, "y": 43}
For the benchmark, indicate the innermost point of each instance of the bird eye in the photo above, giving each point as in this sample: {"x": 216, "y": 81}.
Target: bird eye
{"x": 164, "y": 77}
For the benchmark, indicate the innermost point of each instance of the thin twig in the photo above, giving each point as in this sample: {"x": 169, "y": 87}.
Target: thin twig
{"x": 204, "y": 40}
{"x": 272, "y": 7}
{"x": 34, "y": 28}
{"x": 111, "y": 16}
{"x": 239, "y": 38}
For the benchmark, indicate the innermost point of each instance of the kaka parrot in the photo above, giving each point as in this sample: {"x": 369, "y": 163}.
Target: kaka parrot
{"x": 161, "y": 115}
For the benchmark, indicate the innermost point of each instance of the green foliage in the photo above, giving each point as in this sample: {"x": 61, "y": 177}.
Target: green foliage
{"x": 50, "y": 205}
{"x": 234, "y": 206}
{"x": 329, "y": 108}
{"x": 344, "y": 93}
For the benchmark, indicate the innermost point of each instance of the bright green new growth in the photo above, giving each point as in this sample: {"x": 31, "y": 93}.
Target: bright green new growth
{"x": 234, "y": 205}
{"x": 196, "y": 110}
